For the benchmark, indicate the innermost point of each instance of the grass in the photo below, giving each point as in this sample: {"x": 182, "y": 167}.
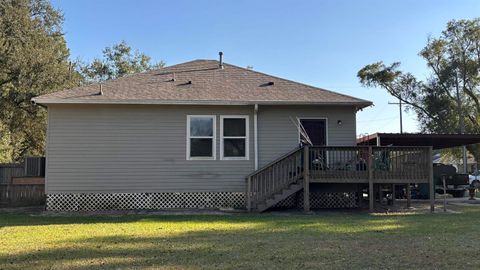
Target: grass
{"x": 338, "y": 240}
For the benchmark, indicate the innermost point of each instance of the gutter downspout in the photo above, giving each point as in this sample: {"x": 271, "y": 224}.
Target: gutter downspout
{"x": 255, "y": 134}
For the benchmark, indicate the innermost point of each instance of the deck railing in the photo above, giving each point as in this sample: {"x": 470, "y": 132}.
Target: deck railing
{"x": 338, "y": 163}
{"x": 401, "y": 163}
{"x": 351, "y": 164}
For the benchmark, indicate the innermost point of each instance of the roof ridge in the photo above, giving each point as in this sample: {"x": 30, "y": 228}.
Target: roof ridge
{"x": 191, "y": 61}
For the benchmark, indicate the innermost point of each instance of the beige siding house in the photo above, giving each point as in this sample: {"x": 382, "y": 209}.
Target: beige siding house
{"x": 184, "y": 136}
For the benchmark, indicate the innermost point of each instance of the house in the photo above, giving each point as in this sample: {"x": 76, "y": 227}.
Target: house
{"x": 189, "y": 135}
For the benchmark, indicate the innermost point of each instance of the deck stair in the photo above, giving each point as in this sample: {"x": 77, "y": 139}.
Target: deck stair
{"x": 278, "y": 197}
{"x": 275, "y": 182}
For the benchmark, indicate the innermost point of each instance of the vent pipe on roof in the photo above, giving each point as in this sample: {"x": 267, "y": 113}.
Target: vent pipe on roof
{"x": 220, "y": 65}
{"x": 101, "y": 90}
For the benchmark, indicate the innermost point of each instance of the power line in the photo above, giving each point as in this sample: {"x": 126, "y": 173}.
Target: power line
{"x": 378, "y": 120}
{"x": 380, "y": 111}
{"x": 399, "y": 103}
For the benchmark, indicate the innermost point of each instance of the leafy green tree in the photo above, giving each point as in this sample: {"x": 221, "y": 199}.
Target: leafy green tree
{"x": 33, "y": 61}
{"x": 5, "y": 146}
{"x": 448, "y": 100}
{"x": 118, "y": 60}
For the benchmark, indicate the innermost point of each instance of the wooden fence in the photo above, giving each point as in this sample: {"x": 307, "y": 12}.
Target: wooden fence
{"x": 21, "y": 195}
{"x": 8, "y": 171}
{"x": 30, "y": 190}
{"x": 34, "y": 166}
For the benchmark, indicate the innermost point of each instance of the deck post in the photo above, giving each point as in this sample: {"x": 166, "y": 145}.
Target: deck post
{"x": 249, "y": 194}
{"x": 371, "y": 193}
{"x": 409, "y": 195}
{"x": 360, "y": 196}
{"x": 393, "y": 194}
{"x": 306, "y": 179}
{"x": 430, "y": 180}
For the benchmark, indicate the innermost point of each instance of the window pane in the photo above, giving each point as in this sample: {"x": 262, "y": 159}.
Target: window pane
{"x": 234, "y": 147}
{"x": 201, "y": 126}
{"x": 201, "y": 148}
{"x": 233, "y": 127}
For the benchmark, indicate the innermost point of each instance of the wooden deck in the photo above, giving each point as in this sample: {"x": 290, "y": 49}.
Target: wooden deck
{"x": 339, "y": 164}
{"x": 351, "y": 164}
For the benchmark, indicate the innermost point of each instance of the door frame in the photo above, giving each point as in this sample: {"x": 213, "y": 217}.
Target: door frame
{"x": 299, "y": 118}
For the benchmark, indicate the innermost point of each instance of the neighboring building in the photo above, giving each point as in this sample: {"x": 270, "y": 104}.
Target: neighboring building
{"x": 184, "y": 136}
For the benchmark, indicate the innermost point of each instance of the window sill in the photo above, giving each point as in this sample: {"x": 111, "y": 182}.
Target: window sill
{"x": 234, "y": 158}
{"x": 201, "y": 158}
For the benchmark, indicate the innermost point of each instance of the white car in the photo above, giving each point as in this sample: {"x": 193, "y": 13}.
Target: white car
{"x": 474, "y": 180}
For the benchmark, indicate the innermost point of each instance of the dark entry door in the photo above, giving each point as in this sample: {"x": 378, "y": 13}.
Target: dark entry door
{"x": 316, "y": 130}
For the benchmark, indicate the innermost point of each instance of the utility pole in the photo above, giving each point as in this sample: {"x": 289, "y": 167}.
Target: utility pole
{"x": 461, "y": 123}
{"x": 399, "y": 103}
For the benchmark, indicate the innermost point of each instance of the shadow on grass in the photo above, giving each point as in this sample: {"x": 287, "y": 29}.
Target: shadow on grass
{"x": 333, "y": 240}
{"x": 259, "y": 245}
{"x": 287, "y": 217}
{"x": 17, "y": 218}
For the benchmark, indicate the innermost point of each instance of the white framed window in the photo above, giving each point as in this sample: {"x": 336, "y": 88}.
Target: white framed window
{"x": 201, "y": 131}
{"x": 234, "y": 137}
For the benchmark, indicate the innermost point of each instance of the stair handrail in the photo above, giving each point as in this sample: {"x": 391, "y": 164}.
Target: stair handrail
{"x": 274, "y": 183}
{"x": 275, "y": 161}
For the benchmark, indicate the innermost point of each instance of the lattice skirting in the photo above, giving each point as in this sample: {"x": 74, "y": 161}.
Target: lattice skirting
{"x": 321, "y": 200}
{"x": 134, "y": 201}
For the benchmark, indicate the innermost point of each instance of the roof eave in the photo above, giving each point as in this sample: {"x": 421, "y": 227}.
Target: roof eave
{"x": 360, "y": 104}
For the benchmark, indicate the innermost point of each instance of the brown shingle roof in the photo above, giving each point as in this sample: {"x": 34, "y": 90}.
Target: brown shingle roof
{"x": 208, "y": 85}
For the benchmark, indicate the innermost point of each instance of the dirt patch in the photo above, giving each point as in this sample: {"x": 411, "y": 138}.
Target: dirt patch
{"x": 172, "y": 212}
{"x": 24, "y": 210}
{"x": 400, "y": 208}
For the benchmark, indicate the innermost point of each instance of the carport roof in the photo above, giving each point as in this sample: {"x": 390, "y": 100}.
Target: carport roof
{"x": 437, "y": 141}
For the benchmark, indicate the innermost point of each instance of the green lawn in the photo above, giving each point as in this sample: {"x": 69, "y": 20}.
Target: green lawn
{"x": 338, "y": 240}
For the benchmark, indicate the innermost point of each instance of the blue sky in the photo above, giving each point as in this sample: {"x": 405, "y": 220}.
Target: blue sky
{"x": 322, "y": 43}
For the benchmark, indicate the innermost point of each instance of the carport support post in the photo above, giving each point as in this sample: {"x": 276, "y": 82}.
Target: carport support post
{"x": 430, "y": 180}
{"x": 306, "y": 179}
{"x": 371, "y": 195}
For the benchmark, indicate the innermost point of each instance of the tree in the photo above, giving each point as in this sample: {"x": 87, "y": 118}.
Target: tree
{"x": 33, "y": 61}
{"x": 448, "y": 100}
{"x": 118, "y": 60}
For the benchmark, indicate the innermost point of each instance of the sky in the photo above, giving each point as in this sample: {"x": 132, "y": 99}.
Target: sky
{"x": 321, "y": 43}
